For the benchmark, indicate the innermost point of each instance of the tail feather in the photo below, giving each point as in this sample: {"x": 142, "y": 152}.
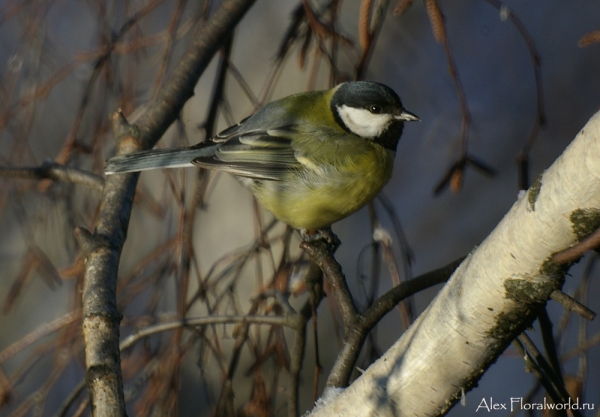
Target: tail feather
{"x": 156, "y": 158}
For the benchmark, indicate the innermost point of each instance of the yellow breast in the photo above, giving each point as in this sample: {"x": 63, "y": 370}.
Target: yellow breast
{"x": 320, "y": 194}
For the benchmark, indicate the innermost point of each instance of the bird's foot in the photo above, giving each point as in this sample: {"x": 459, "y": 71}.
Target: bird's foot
{"x": 324, "y": 234}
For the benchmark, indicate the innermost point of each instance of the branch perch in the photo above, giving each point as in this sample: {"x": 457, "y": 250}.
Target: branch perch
{"x": 102, "y": 248}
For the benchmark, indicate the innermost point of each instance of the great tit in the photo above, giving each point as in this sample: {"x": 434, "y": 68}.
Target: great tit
{"x": 310, "y": 158}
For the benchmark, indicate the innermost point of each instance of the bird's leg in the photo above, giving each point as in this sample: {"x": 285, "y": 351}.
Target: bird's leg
{"x": 325, "y": 234}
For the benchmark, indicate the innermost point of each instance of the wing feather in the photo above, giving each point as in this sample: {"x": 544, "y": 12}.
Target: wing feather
{"x": 259, "y": 147}
{"x": 259, "y": 154}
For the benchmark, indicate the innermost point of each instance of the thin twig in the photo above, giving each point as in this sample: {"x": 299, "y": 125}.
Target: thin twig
{"x": 407, "y": 288}
{"x": 320, "y": 253}
{"x": 534, "y": 368}
{"x": 62, "y": 411}
{"x": 572, "y": 304}
{"x": 543, "y": 371}
{"x": 205, "y": 321}
{"x": 436, "y": 18}
{"x": 297, "y": 357}
{"x": 55, "y": 171}
{"x": 383, "y": 237}
{"x": 402, "y": 6}
{"x": 356, "y": 335}
{"x": 575, "y": 252}
{"x": 225, "y": 401}
{"x": 582, "y": 335}
{"x": 369, "y": 28}
{"x": 38, "y": 334}
{"x": 170, "y": 35}
{"x": 364, "y": 24}
{"x": 584, "y": 347}
{"x": 218, "y": 89}
{"x": 549, "y": 342}
{"x": 540, "y": 121}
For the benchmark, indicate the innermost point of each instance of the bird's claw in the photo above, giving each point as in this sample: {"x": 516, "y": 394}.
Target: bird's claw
{"x": 325, "y": 234}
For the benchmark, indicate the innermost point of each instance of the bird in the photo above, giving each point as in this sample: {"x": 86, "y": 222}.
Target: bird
{"x": 311, "y": 158}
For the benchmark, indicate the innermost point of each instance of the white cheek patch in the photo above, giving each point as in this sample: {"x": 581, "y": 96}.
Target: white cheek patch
{"x": 362, "y": 122}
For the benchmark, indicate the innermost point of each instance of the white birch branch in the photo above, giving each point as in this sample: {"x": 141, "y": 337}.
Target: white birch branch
{"x": 494, "y": 294}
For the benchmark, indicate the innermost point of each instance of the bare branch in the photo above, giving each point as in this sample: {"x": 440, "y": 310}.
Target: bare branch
{"x": 575, "y": 252}
{"x": 364, "y": 23}
{"x": 38, "y": 334}
{"x": 571, "y": 304}
{"x": 540, "y": 120}
{"x": 370, "y": 23}
{"x": 364, "y": 323}
{"x": 57, "y": 172}
{"x": 536, "y": 362}
{"x": 592, "y": 341}
{"x": 320, "y": 253}
{"x": 287, "y": 321}
{"x": 402, "y": 6}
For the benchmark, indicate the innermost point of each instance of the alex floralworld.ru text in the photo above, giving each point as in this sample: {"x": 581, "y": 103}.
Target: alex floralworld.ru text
{"x": 517, "y": 403}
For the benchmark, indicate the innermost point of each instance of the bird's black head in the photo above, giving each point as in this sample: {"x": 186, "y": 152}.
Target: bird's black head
{"x": 370, "y": 110}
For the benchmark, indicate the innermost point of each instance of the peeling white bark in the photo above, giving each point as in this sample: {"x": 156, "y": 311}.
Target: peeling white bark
{"x": 490, "y": 298}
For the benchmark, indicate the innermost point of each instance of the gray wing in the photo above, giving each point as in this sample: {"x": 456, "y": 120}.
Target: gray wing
{"x": 265, "y": 155}
{"x": 259, "y": 147}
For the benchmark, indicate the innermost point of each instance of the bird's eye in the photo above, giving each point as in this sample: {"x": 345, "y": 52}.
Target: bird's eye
{"x": 375, "y": 109}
